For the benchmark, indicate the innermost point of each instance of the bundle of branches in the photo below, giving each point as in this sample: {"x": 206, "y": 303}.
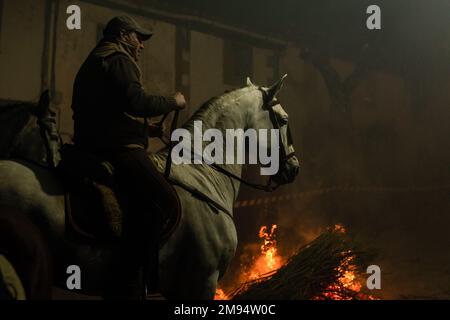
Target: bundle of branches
{"x": 326, "y": 268}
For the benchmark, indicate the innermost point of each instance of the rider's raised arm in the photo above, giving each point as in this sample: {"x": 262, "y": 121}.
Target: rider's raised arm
{"x": 126, "y": 78}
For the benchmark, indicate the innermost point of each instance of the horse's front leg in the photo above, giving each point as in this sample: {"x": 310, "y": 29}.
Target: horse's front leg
{"x": 198, "y": 252}
{"x": 189, "y": 280}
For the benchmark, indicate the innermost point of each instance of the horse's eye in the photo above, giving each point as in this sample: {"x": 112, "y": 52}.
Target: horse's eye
{"x": 284, "y": 120}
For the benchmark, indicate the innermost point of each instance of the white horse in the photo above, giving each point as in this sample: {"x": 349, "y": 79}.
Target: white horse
{"x": 198, "y": 252}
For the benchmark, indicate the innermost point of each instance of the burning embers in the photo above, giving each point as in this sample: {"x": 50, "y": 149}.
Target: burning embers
{"x": 348, "y": 284}
{"x": 325, "y": 269}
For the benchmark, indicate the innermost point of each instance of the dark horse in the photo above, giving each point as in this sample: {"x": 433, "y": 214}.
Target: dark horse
{"x": 198, "y": 252}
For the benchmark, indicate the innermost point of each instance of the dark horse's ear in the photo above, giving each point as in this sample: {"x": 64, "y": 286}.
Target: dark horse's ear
{"x": 273, "y": 90}
{"x": 43, "y": 106}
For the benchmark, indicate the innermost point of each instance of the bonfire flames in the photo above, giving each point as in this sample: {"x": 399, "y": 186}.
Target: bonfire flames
{"x": 269, "y": 260}
{"x": 264, "y": 266}
{"x": 220, "y": 295}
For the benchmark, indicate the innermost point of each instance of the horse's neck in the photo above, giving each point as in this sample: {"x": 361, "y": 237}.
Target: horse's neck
{"x": 221, "y": 116}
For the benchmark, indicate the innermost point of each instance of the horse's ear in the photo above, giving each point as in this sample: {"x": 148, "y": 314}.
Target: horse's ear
{"x": 273, "y": 90}
{"x": 44, "y": 103}
{"x": 249, "y": 82}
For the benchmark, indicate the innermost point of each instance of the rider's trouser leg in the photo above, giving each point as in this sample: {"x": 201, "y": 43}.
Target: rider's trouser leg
{"x": 146, "y": 188}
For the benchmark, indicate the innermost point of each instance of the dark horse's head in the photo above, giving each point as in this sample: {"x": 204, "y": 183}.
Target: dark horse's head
{"x": 27, "y": 132}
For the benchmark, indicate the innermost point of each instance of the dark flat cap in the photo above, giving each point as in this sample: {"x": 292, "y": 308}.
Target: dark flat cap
{"x": 126, "y": 23}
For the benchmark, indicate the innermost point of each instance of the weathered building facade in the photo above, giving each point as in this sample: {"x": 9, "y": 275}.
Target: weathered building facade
{"x": 38, "y": 51}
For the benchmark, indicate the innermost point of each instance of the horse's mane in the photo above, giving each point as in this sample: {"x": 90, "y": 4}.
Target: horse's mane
{"x": 209, "y": 105}
{"x": 13, "y": 119}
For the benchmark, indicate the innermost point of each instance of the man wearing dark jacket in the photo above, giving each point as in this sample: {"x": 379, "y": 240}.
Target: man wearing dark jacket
{"x": 110, "y": 111}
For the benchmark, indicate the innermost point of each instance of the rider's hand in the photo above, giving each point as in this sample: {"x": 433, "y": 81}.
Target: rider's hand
{"x": 180, "y": 100}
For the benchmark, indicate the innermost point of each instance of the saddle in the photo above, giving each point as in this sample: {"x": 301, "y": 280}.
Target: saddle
{"x": 95, "y": 206}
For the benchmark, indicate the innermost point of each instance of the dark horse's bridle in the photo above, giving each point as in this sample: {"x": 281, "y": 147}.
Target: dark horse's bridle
{"x": 268, "y": 103}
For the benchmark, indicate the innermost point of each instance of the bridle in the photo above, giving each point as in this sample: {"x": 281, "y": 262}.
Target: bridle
{"x": 285, "y": 154}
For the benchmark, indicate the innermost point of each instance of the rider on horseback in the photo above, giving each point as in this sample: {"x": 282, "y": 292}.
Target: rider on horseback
{"x": 110, "y": 111}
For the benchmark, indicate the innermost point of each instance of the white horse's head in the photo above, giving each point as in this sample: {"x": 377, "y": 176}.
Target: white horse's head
{"x": 269, "y": 114}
